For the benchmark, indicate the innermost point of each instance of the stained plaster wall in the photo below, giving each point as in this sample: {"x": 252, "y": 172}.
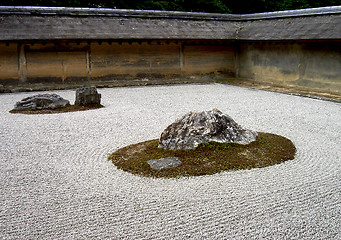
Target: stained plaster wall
{"x": 9, "y": 63}
{"x": 56, "y": 62}
{"x": 134, "y": 60}
{"x": 63, "y": 62}
{"x": 313, "y": 64}
{"x": 308, "y": 64}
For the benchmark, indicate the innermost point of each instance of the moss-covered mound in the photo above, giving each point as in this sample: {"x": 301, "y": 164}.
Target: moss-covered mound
{"x": 208, "y": 158}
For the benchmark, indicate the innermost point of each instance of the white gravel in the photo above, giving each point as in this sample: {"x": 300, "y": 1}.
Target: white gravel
{"x": 56, "y": 182}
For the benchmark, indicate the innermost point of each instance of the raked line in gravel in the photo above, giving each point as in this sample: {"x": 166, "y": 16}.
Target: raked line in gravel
{"x": 56, "y": 181}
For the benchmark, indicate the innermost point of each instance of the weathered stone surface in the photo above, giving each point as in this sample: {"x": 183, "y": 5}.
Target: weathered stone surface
{"x": 208, "y": 126}
{"x": 161, "y": 163}
{"x": 41, "y": 101}
{"x": 87, "y": 96}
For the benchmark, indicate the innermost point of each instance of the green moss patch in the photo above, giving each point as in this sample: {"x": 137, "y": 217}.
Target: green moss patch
{"x": 70, "y": 108}
{"x": 209, "y": 158}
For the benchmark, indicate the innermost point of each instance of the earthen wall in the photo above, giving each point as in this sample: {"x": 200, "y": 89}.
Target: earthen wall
{"x": 64, "y": 62}
{"x": 307, "y": 64}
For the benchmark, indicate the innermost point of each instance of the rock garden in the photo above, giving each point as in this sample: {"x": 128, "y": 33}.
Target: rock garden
{"x": 199, "y": 143}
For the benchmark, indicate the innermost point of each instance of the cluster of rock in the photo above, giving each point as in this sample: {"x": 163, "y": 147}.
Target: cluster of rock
{"x": 195, "y": 128}
{"x": 188, "y": 132}
{"x": 85, "y": 96}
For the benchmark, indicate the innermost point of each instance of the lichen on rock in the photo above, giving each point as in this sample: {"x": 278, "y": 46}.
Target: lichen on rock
{"x": 195, "y": 128}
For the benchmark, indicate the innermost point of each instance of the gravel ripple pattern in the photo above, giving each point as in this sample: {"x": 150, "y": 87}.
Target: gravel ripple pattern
{"x": 56, "y": 182}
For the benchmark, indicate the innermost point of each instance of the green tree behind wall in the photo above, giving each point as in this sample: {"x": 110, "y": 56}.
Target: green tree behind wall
{"x": 213, "y": 6}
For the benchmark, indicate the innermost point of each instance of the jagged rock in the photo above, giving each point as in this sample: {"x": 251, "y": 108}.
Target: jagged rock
{"x": 41, "y": 101}
{"x": 87, "y": 96}
{"x": 208, "y": 126}
{"x": 161, "y": 163}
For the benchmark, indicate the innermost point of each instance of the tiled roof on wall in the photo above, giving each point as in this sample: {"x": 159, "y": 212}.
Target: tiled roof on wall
{"x": 295, "y": 28}
{"x": 45, "y": 23}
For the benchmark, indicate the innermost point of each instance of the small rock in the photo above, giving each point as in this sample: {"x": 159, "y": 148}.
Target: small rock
{"x": 161, "y": 163}
{"x": 87, "y": 96}
{"x": 41, "y": 101}
{"x": 19, "y": 89}
{"x": 209, "y": 126}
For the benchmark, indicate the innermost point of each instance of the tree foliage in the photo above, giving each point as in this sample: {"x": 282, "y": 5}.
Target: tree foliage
{"x": 213, "y": 6}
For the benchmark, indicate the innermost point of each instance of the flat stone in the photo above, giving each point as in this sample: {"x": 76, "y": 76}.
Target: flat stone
{"x": 195, "y": 128}
{"x": 161, "y": 163}
{"x": 41, "y": 101}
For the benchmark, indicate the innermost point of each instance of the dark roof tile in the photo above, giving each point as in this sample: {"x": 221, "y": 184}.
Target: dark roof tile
{"x": 34, "y": 23}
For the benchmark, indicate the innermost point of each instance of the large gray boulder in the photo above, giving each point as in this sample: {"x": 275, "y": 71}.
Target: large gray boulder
{"x": 41, "y": 101}
{"x": 195, "y": 128}
{"x": 87, "y": 96}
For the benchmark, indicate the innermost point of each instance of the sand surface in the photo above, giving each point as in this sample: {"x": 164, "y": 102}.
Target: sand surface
{"x": 56, "y": 182}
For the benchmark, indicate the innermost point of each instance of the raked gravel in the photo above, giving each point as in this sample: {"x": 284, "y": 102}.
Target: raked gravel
{"x": 56, "y": 182}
